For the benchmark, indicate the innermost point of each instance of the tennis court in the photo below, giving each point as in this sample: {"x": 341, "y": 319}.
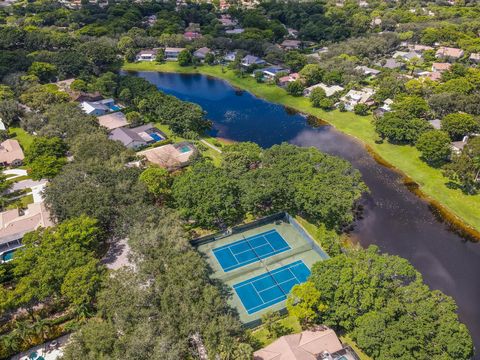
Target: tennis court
{"x": 250, "y": 250}
{"x": 271, "y": 287}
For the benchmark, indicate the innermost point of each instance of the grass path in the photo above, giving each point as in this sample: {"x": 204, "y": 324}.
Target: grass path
{"x": 459, "y": 208}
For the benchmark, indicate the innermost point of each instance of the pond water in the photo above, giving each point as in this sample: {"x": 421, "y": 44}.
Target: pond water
{"x": 394, "y": 219}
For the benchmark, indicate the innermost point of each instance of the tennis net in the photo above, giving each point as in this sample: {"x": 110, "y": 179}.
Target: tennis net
{"x": 263, "y": 264}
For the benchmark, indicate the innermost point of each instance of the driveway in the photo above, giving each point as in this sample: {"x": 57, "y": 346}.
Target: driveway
{"x": 26, "y": 184}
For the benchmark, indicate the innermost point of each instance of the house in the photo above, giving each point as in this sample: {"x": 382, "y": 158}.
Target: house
{"x": 98, "y": 108}
{"x": 354, "y": 97}
{"x": 147, "y": 55}
{"x": 201, "y": 53}
{"x": 2, "y": 125}
{"x": 170, "y": 156}
{"x": 329, "y": 90}
{"x": 448, "y": 53}
{"x": 171, "y": 53}
{"x": 367, "y": 71}
{"x": 127, "y": 137}
{"x": 224, "y": 5}
{"x": 251, "y": 60}
{"x": 441, "y": 67}
{"x": 11, "y": 153}
{"x": 393, "y": 64}
{"x": 387, "y": 105}
{"x": 419, "y": 48}
{"x": 134, "y": 138}
{"x": 192, "y": 35}
{"x": 474, "y": 57}
{"x": 15, "y": 223}
{"x": 291, "y": 44}
{"x": 231, "y": 56}
{"x": 407, "y": 56}
{"x": 317, "y": 343}
{"x": 227, "y": 21}
{"x": 113, "y": 120}
{"x": 270, "y": 72}
{"x": 284, "y": 80}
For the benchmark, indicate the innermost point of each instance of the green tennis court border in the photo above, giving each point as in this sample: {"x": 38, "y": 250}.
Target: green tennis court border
{"x": 303, "y": 247}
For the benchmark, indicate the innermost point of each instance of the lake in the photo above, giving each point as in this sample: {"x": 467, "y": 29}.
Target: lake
{"x": 396, "y": 220}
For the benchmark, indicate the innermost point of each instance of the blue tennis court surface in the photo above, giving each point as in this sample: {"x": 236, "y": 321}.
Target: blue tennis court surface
{"x": 250, "y": 250}
{"x": 268, "y": 289}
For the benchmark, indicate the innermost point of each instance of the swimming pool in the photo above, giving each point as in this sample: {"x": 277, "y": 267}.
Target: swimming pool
{"x": 184, "y": 149}
{"x": 7, "y": 255}
{"x": 114, "y": 108}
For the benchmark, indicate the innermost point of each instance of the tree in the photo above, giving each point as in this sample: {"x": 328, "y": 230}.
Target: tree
{"x": 10, "y": 111}
{"x": 312, "y": 73}
{"x": 400, "y": 130}
{"x": 295, "y": 88}
{"x": 210, "y": 58}
{"x": 82, "y": 283}
{"x": 362, "y": 289}
{"x": 410, "y": 106}
{"x": 303, "y": 302}
{"x": 361, "y": 109}
{"x": 185, "y": 58}
{"x": 158, "y": 182}
{"x": 79, "y": 85}
{"x": 208, "y": 196}
{"x": 316, "y": 96}
{"x": 240, "y": 158}
{"x": 295, "y": 60}
{"x": 434, "y": 146}
{"x": 134, "y": 118}
{"x": 160, "y": 57}
{"x": 45, "y": 167}
{"x": 464, "y": 169}
{"x": 44, "y": 71}
{"x": 458, "y": 125}
{"x": 44, "y": 146}
{"x": 49, "y": 255}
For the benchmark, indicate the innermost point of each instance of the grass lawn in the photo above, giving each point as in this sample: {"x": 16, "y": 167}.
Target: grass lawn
{"x": 24, "y": 138}
{"x": 461, "y": 208}
{"x": 21, "y": 203}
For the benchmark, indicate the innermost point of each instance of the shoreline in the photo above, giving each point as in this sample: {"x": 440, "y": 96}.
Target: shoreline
{"x": 361, "y": 129}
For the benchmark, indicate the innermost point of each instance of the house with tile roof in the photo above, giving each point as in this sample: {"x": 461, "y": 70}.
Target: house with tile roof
{"x": 15, "y": 223}
{"x": 11, "y": 153}
{"x": 448, "y": 53}
{"x": 320, "y": 342}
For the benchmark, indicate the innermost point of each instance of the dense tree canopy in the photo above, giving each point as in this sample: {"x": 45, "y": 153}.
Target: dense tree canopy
{"x": 391, "y": 314}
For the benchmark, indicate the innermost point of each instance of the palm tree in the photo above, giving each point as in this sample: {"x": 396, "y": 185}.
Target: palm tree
{"x": 10, "y": 342}
{"x": 41, "y": 328}
{"x": 22, "y": 331}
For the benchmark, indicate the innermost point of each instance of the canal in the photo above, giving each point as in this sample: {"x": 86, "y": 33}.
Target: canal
{"x": 396, "y": 220}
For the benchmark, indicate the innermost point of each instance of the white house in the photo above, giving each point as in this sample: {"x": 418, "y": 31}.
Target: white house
{"x": 329, "y": 90}
{"x": 147, "y": 55}
{"x": 171, "y": 53}
{"x": 354, "y": 97}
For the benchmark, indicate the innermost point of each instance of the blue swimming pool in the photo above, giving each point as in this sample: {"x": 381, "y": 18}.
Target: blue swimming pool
{"x": 271, "y": 287}
{"x": 185, "y": 149}
{"x": 250, "y": 250}
{"x": 7, "y": 255}
{"x": 114, "y": 108}
{"x": 156, "y": 137}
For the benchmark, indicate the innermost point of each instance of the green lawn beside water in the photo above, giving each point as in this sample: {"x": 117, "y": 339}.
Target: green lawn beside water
{"x": 432, "y": 183}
